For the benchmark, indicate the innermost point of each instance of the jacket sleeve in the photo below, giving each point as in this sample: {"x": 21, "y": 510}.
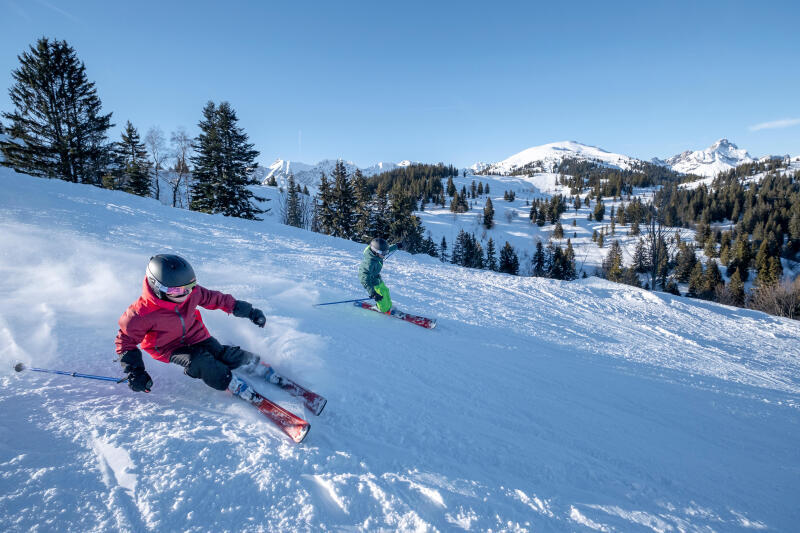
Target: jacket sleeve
{"x": 132, "y": 329}
{"x": 374, "y": 274}
{"x": 215, "y": 300}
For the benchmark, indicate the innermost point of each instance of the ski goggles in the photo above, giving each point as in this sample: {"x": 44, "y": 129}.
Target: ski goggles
{"x": 183, "y": 290}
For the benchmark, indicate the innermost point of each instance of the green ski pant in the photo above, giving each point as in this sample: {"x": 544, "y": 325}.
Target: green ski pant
{"x": 386, "y": 303}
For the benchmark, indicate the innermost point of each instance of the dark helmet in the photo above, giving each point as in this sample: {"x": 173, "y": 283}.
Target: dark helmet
{"x": 379, "y": 246}
{"x": 166, "y": 271}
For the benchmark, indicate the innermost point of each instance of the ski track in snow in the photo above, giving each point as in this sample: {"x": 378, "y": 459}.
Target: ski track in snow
{"x": 535, "y": 404}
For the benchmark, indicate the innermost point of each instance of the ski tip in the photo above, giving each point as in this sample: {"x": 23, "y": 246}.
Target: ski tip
{"x": 321, "y": 406}
{"x": 19, "y": 367}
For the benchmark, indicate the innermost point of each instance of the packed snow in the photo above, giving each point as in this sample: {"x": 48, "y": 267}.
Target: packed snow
{"x": 536, "y": 405}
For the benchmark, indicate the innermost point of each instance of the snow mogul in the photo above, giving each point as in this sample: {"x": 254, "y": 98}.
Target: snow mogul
{"x": 370, "y": 272}
{"x": 166, "y": 323}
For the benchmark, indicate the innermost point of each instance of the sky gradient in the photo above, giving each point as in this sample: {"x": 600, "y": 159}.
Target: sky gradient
{"x": 456, "y": 82}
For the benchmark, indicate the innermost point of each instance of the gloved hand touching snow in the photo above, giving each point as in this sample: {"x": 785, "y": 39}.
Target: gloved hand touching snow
{"x": 244, "y": 309}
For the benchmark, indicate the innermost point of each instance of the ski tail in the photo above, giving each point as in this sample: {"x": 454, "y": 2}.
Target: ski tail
{"x": 292, "y": 425}
{"x": 313, "y": 401}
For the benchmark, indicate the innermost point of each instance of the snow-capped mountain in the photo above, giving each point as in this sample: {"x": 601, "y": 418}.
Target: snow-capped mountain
{"x": 309, "y": 175}
{"x": 546, "y": 156}
{"x": 721, "y": 156}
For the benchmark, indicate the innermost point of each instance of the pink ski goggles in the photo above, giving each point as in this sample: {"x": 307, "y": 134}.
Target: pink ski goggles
{"x": 183, "y": 290}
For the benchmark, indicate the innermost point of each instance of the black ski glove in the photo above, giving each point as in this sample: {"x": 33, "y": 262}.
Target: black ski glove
{"x": 244, "y": 309}
{"x": 400, "y": 245}
{"x": 375, "y": 296}
{"x": 139, "y": 381}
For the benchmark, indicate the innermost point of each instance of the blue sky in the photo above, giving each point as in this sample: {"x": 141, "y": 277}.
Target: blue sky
{"x": 437, "y": 81}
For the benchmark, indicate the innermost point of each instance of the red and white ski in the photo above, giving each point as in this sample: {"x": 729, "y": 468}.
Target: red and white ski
{"x": 425, "y": 322}
{"x": 313, "y": 401}
{"x": 291, "y": 424}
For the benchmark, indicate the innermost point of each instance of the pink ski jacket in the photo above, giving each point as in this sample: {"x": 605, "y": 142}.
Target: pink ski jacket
{"x": 161, "y": 326}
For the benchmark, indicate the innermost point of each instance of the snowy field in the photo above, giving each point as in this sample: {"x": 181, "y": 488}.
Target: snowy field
{"x": 536, "y": 405}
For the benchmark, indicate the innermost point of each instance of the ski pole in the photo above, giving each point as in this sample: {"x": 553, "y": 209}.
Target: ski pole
{"x": 19, "y": 367}
{"x": 343, "y": 301}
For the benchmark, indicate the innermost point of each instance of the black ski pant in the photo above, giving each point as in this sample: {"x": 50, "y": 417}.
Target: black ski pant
{"x": 210, "y": 361}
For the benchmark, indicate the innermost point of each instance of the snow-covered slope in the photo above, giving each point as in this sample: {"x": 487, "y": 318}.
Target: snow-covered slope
{"x": 546, "y": 156}
{"x": 721, "y": 156}
{"x": 309, "y": 175}
{"x": 536, "y": 405}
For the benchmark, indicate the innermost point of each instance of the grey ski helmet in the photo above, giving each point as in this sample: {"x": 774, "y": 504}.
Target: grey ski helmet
{"x": 379, "y": 246}
{"x": 167, "y": 274}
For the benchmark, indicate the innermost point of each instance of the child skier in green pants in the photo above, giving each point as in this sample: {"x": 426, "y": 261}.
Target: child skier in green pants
{"x": 370, "y": 272}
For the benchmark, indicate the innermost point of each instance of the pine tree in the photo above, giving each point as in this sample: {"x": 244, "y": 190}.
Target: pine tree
{"x": 640, "y": 258}
{"x": 223, "y": 165}
{"x": 403, "y": 224}
{"x": 342, "y": 203}
{"x": 713, "y": 278}
{"x": 457, "y": 255}
{"x": 539, "y": 261}
{"x": 696, "y": 279}
{"x": 132, "y": 167}
{"x": 475, "y": 259}
{"x": 742, "y": 257}
{"x": 612, "y": 264}
{"x": 556, "y": 263}
{"x": 324, "y": 210}
{"x": 558, "y": 232}
{"x": 509, "y": 262}
{"x": 710, "y": 248}
{"x": 429, "y": 247}
{"x": 381, "y": 217}
{"x": 540, "y": 217}
{"x": 736, "y": 289}
{"x": 455, "y": 203}
{"x": 685, "y": 262}
{"x": 491, "y": 256}
{"x": 443, "y": 250}
{"x": 57, "y": 129}
{"x": 599, "y": 211}
{"x": 488, "y": 214}
{"x": 451, "y": 187}
{"x": 362, "y": 207}
{"x": 293, "y": 212}
{"x": 480, "y": 188}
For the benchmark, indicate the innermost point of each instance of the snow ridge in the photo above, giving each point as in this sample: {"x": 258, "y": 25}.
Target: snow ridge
{"x": 547, "y": 156}
{"x": 309, "y": 175}
{"x": 721, "y": 156}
